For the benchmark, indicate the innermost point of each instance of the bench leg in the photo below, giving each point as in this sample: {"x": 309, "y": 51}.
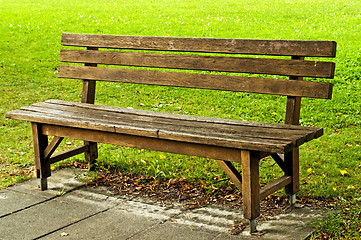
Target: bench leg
{"x": 250, "y": 187}
{"x": 43, "y": 184}
{"x": 91, "y": 154}
{"x": 292, "y": 199}
{"x": 42, "y": 167}
{"x": 252, "y": 225}
{"x": 292, "y": 169}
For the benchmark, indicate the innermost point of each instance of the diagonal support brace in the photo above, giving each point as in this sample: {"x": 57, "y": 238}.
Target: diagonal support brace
{"x": 50, "y": 149}
{"x": 279, "y": 159}
{"x": 232, "y": 173}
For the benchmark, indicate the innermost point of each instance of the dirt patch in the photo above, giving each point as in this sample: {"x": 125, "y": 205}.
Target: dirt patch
{"x": 194, "y": 195}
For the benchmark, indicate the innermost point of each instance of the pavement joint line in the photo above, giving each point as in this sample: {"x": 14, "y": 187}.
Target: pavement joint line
{"x": 164, "y": 221}
{"x": 72, "y": 223}
{"x": 159, "y": 223}
{"x": 220, "y": 234}
{"x": 38, "y": 203}
{"x": 144, "y": 230}
{"x": 27, "y": 207}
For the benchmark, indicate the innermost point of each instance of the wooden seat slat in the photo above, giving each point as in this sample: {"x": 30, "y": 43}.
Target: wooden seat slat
{"x": 236, "y": 131}
{"x": 119, "y": 124}
{"x": 211, "y": 45}
{"x": 190, "y": 118}
{"x": 72, "y": 121}
{"x": 284, "y": 67}
{"x": 177, "y": 129}
{"x": 220, "y": 140}
{"x": 203, "y": 81}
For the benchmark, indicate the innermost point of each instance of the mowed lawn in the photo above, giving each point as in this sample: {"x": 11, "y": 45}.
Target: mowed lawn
{"x": 30, "y": 33}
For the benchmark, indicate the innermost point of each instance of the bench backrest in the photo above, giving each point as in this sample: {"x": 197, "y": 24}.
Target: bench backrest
{"x": 194, "y": 54}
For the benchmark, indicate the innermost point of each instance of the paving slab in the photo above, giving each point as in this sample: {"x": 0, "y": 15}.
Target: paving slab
{"x": 213, "y": 218}
{"x": 46, "y": 217}
{"x": 62, "y": 181}
{"x": 11, "y": 201}
{"x": 111, "y": 224}
{"x": 293, "y": 225}
{"x": 169, "y": 230}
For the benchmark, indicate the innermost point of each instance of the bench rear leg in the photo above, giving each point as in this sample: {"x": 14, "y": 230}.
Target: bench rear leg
{"x": 91, "y": 154}
{"x": 88, "y": 96}
{"x": 42, "y": 166}
{"x": 293, "y": 110}
{"x": 292, "y": 169}
{"x": 250, "y": 187}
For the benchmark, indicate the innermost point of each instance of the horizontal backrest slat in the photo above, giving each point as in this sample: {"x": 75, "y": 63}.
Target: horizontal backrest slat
{"x": 204, "y": 81}
{"x": 209, "y": 45}
{"x": 209, "y": 63}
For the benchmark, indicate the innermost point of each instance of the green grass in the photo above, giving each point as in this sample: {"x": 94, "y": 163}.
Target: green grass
{"x": 29, "y": 49}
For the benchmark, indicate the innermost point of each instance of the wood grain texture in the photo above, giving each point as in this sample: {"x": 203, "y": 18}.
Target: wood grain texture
{"x": 226, "y": 133}
{"x": 291, "y": 158}
{"x": 203, "y": 81}
{"x": 223, "y": 126}
{"x": 197, "y": 137}
{"x": 250, "y": 184}
{"x": 68, "y": 154}
{"x": 274, "y": 186}
{"x": 50, "y": 149}
{"x": 232, "y": 173}
{"x": 40, "y": 142}
{"x": 293, "y": 107}
{"x": 88, "y": 96}
{"x": 207, "y": 63}
{"x": 189, "y": 118}
{"x": 190, "y": 149}
{"x": 91, "y": 154}
{"x": 212, "y": 45}
{"x": 279, "y": 159}
{"x": 299, "y": 136}
{"x": 292, "y": 168}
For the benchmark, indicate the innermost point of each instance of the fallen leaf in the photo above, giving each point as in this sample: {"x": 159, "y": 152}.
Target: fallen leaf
{"x": 309, "y": 170}
{"x": 343, "y": 172}
{"x": 203, "y": 184}
{"x": 238, "y": 227}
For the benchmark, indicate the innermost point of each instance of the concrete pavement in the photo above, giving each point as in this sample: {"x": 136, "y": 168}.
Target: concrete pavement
{"x": 71, "y": 210}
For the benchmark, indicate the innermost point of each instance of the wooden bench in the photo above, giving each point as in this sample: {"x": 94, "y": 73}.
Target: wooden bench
{"x": 226, "y": 141}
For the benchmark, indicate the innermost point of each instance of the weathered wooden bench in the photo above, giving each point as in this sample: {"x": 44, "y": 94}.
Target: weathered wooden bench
{"x": 226, "y": 141}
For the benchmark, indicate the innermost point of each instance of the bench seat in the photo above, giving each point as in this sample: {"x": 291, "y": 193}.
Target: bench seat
{"x": 263, "y": 137}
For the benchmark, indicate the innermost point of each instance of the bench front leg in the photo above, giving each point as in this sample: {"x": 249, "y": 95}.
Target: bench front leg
{"x": 250, "y": 187}
{"x": 40, "y": 142}
{"x": 292, "y": 169}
